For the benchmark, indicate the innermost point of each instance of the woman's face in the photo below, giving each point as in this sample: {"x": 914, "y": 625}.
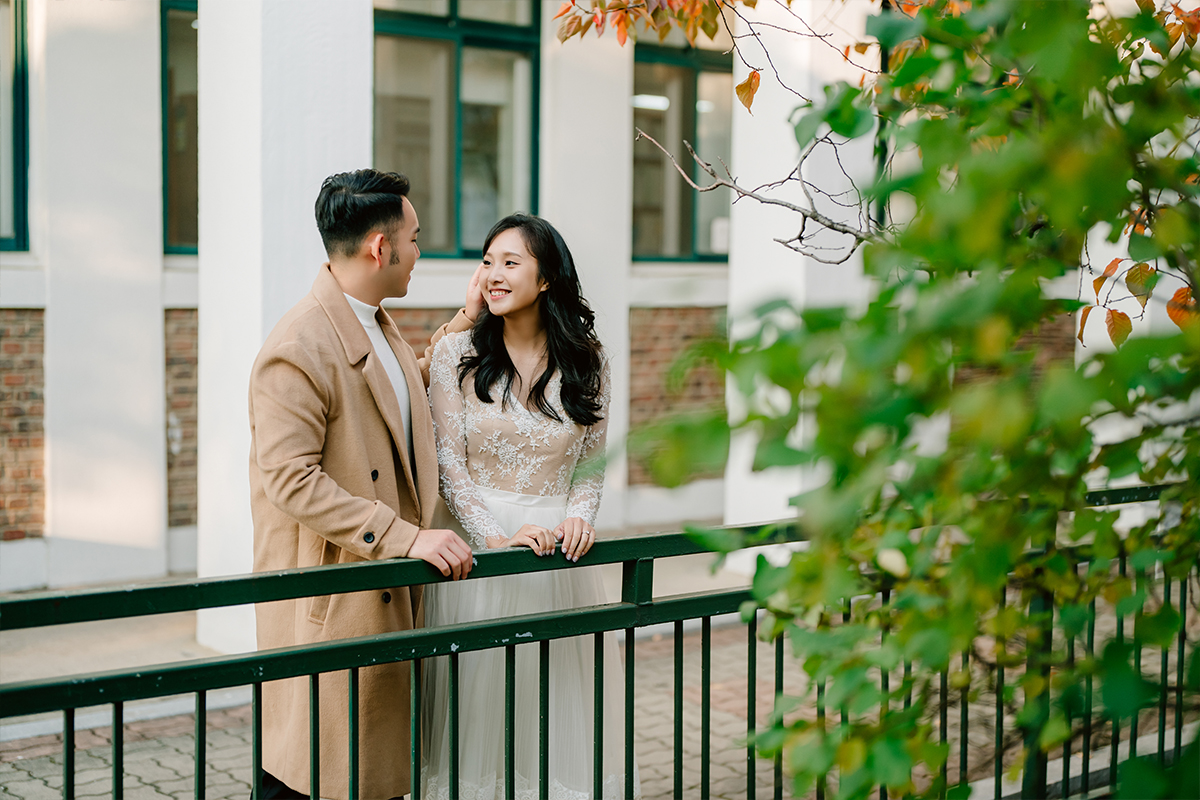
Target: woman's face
{"x": 510, "y": 280}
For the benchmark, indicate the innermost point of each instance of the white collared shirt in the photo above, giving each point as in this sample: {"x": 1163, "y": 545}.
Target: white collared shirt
{"x": 391, "y": 365}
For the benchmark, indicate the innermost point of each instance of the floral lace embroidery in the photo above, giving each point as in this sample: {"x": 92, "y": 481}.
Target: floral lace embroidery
{"x": 507, "y": 447}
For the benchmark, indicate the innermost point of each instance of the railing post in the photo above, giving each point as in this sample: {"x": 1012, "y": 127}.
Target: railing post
{"x": 637, "y": 581}
{"x": 1037, "y": 660}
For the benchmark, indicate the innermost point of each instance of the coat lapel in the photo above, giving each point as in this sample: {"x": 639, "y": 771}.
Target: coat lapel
{"x": 358, "y": 347}
{"x": 424, "y": 448}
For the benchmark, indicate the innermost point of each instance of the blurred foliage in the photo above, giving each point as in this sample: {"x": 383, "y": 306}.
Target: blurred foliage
{"x": 1018, "y": 130}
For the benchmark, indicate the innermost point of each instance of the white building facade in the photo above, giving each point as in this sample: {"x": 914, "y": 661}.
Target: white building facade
{"x": 160, "y": 163}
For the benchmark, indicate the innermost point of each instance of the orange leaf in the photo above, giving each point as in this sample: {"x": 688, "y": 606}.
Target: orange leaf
{"x": 1119, "y": 326}
{"x": 846, "y": 53}
{"x": 621, "y": 23}
{"x": 563, "y": 9}
{"x": 1109, "y": 271}
{"x": 1083, "y": 321}
{"x": 1135, "y": 280}
{"x": 746, "y": 89}
{"x": 1181, "y": 308}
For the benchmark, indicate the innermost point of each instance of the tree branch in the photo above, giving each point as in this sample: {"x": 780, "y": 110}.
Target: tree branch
{"x": 808, "y": 214}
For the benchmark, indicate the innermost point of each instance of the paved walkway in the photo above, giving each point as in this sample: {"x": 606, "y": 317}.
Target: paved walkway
{"x": 160, "y": 753}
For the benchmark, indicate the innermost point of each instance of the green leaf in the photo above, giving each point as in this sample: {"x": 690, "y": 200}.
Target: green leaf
{"x": 717, "y": 540}
{"x": 1143, "y": 248}
{"x": 768, "y": 579}
{"x": 891, "y": 761}
{"x": 1131, "y": 604}
{"x": 959, "y": 791}
{"x": 807, "y": 126}
{"x": 891, "y": 28}
{"x": 1054, "y": 732}
{"x": 1157, "y": 629}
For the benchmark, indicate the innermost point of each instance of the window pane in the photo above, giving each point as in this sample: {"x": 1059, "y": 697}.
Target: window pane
{"x": 7, "y": 62}
{"x": 714, "y": 123}
{"x": 496, "y": 118}
{"x": 414, "y": 128}
{"x": 510, "y": 12}
{"x": 663, "y": 106}
{"x": 437, "y": 7}
{"x": 182, "y": 177}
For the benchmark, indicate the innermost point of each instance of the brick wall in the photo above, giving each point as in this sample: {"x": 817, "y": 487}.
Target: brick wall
{"x": 22, "y": 459}
{"x": 658, "y": 336}
{"x": 417, "y": 325}
{"x": 1052, "y": 341}
{"x": 182, "y": 330}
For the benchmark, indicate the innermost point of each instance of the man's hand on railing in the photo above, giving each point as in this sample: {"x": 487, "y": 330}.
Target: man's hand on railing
{"x": 445, "y": 550}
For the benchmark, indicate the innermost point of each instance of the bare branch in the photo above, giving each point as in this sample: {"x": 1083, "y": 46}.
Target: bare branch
{"x": 858, "y": 235}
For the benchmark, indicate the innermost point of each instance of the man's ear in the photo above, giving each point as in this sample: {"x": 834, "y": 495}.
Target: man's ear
{"x": 375, "y": 245}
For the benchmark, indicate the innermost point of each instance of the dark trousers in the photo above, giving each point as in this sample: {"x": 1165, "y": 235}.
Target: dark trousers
{"x": 275, "y": 789}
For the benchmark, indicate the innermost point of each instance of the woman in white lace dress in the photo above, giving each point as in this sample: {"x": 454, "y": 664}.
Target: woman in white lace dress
{"x": 520, "y": 412}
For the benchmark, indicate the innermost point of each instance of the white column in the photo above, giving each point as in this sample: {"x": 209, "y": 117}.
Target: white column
{"x": 760, "y": 269}
{"x": 586, "y": 192}
{"x": 285, "y": 100}
{"x": 105, "y": 430}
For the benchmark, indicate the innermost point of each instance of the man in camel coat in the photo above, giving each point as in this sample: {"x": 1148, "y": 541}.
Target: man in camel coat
{"x": 343, "y": 469}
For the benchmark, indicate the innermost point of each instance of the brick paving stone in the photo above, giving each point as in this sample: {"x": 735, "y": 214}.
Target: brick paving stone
{"x": 31, "y": 789}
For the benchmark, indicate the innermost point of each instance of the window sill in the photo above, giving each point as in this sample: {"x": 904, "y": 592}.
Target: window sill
{"x": 678, "y": 284}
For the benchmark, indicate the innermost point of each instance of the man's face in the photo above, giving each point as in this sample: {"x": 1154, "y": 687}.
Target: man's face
{"x": 403, "y": 253}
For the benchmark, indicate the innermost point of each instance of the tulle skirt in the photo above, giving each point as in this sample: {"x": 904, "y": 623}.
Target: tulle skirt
{"x": 481, "y": 680}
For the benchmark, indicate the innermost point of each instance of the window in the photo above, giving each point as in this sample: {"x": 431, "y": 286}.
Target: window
{"x": 181, "y": 196}
{"x": 456, "y": 111}
{"x": 14, "y": 127}
{"x": 680, "y": 94}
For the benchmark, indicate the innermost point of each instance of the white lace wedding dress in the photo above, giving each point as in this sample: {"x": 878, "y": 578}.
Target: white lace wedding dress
{"x": 503, "y": 466}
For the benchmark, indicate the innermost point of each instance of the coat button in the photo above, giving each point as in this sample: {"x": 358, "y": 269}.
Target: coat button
{"x": 374, "y": 474}
{"x": 387, "y": 597}
{"x": 368, "y": 537}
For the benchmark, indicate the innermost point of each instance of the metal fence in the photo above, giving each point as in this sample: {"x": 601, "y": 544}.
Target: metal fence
{"x": 636, "y": 609}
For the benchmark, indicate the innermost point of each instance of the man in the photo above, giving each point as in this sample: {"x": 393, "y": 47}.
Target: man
{"x": 343, "y": 469}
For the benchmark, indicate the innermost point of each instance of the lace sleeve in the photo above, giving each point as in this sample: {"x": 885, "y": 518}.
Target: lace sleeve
{"x": 450, "y": 433}
{"x": 587, "y": 484}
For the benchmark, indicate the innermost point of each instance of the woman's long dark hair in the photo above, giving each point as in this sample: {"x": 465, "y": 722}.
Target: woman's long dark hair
{"x": 571, "y": 344}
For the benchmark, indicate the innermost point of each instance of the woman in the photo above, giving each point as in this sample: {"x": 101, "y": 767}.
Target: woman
{"x": 520, "y": 410}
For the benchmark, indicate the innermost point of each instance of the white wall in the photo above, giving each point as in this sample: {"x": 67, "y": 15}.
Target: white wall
{"x": 760, "y": 269}
{"x": 96, "y": 226}
{"x": 285, "y": 100}
{"x": 586, "y": 192}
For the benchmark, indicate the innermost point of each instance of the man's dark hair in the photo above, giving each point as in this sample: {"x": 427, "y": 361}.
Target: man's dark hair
{"x": 352, "y": 204}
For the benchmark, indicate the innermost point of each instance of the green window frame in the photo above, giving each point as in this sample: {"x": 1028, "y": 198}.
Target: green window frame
{"x": 696, "y": 61}
{"x": 167, "y": 6}
{"x": 463, "y": 32}
{"x": 19, "y": 240}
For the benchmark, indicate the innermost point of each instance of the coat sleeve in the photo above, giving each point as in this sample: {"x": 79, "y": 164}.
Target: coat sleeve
{"x": 460, "y": 322}
{"x": 290, "y": 403}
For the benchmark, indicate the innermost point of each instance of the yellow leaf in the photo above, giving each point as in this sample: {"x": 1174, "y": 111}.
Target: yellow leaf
{"x": 1119, "y": 326}
{"x": 1181, "y": 308}
{"x": 746, "y": 89}
{"x": 1083, "y": 321}
{"x": 1135, "y": 281}
{"x": 1109, "y": 271}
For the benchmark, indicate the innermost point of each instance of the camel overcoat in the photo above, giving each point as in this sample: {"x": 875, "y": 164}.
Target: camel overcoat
{"x": 331, "y": 483}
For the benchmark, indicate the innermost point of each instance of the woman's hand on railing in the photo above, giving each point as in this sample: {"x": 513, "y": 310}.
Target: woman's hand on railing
{"x": 576, "y": 536}
{"x": 538, "y": 539}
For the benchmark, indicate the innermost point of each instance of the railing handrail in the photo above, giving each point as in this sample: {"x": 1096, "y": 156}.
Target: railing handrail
{"x": 220, "y": 672}
{"x": 43, "y": 609}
